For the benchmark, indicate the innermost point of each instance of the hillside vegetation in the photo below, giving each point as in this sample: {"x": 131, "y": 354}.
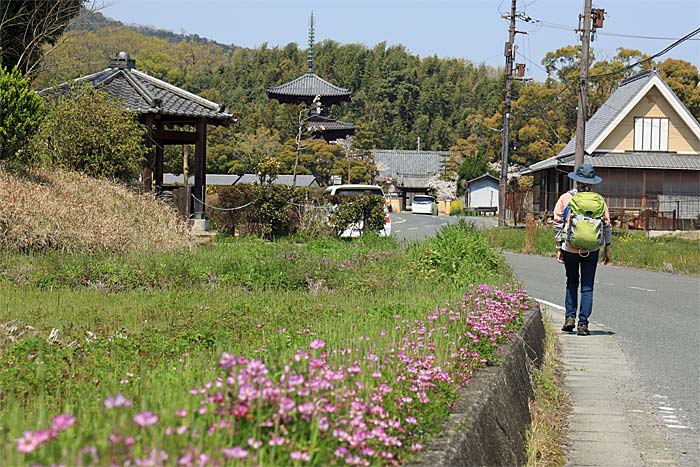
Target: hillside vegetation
{"x": 66, "y": 211}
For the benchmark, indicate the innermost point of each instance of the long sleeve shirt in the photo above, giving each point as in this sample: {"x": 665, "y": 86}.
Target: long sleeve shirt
{"x": 560, "y": 223}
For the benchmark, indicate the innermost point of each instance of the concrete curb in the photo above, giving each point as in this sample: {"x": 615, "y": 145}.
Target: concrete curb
{"x": 488, "y": 423}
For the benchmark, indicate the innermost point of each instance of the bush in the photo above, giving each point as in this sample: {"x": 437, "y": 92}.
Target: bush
{"x": 456, "y": 207}
{"x": 266, "y": 210}
{"x": 459, "y": 253}
{"x": 353, "y": 209}
{"x": 88, "y": 132}
{"x": 20, "y": 114}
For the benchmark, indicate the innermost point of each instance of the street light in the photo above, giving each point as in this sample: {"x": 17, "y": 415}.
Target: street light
{"x": 304, "y": 115}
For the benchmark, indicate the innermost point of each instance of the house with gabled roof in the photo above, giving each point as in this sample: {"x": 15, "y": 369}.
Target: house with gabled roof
{"x": 406, "y": 173}
{"x": 645, "y": 144}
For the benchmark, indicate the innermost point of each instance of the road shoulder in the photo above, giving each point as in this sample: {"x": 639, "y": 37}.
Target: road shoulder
{"x": 611, "y": 423}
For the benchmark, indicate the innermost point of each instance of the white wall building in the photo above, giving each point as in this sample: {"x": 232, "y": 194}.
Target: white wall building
{"x": 482, "y": 192}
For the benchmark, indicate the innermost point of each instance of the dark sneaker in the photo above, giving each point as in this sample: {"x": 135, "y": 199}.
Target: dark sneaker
{"x": 583, "y": 330}
{"x": 569, "y": 324}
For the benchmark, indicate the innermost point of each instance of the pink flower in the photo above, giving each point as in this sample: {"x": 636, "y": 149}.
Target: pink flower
{"x": 300, "y": 456}
{"x": 323, "y": 424}
{"x": 62, "y": 422}
{"x": 27, "y": 443}
{"x": 42, "y": 436}
{"x": 181, "y": 413}
{"x": 235, "y": 452}
{"x": 117, "y": 401}
{"x": 253, "y": 443}
{"x": 227, "y": 360}
{"x": 317, "y": 344}
{"x": 145, "y": 419}
{"x": 277, "y": 441}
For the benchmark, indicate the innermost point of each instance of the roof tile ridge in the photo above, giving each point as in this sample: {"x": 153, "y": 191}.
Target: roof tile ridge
{"x": 150, "y": 99}
{"x": 333, "y": 85}
{"x": 75, "y": 80}
{"x": 175, "y": 90}
{"x": 640, "y": 75}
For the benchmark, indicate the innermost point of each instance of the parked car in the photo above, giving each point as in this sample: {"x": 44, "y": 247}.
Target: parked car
{"x": 424, "y": 204}
{"x": 356, "y": 229}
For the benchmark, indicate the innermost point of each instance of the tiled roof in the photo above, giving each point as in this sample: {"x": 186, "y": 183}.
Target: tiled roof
{"x": 607, "y": 113}
{"x": 636, "y": 160}
{"x": 394, "y": 163}
{"x": 306, "y": 87}
{"x": 231, "y": 179}
{"x": 487, "y": 175}
{"x": 319, "y": 123}
{"x": 145, "y": 94}
{"x": 212, "y": 179}
{"x": 286, "y": 179}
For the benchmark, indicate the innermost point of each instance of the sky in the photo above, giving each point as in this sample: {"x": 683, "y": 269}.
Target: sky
{"x": 469, "y": 29}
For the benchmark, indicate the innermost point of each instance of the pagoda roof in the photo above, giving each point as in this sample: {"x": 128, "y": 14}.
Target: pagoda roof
{"x": 306, "y": 87}
{"x": 319, "y": 123}
{"x": 144, "y": 93}
{"x": 329, "y": 128}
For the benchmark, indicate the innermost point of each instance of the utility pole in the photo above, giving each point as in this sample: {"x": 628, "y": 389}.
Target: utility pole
{"x": 503, "y": 183}
{"x": 585, "y": 30}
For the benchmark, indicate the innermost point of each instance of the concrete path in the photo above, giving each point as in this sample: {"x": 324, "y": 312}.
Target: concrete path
{"x": 611, "y": 423}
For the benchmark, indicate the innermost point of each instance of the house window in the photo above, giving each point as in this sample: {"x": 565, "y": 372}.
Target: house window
{"x": 650, "y": 134}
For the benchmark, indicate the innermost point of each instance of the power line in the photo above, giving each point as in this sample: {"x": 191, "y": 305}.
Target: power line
{"x": 633, "y": 36}
{"x": 550, "y": 25}
{"x": 658, "y": 54}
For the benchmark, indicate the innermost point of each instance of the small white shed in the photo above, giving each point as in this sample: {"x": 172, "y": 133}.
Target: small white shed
{"x": 482, "y": 192}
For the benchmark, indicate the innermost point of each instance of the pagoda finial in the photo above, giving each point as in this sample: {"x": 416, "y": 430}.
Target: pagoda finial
{"x": 310, "y": 53}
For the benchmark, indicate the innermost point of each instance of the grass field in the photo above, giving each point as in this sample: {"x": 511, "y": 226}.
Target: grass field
{"x": 629, "y": 248}
{"x": 246, "y": 352}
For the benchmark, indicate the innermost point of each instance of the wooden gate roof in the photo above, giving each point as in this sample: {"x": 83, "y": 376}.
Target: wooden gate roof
{"x": 145, "y": 94}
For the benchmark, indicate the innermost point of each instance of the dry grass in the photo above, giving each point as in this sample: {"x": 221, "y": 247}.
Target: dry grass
{"x": 65, "y": 211}
{"x": 549, "y": 411}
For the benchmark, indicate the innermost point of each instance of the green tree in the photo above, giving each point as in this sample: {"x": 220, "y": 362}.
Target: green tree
{"x": 684, "y": 79}
{"x": 89, "y": 132}
{"x": 27, "y": 26}
{"x": 20, "y": 114}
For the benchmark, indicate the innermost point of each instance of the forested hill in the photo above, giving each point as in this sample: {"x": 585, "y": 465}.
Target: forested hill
{"x": 397, "y": 96}
{"x": 91, "y": 21}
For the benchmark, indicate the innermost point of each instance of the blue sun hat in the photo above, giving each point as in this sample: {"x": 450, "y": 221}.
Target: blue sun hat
{"x": 585, "y": 173}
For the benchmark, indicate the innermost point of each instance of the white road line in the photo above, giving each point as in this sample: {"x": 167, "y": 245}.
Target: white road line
{"x": 413, "y": 228}
{"x": 400, "y": 221}
{"x": 678, "y": 426}
{"x": 640, "y": 288}
{"x": 396, "y": 231}
{"x": 554, "y": 305}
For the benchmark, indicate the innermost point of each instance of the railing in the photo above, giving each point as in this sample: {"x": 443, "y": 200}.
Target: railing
{"x": 627, "y": 210}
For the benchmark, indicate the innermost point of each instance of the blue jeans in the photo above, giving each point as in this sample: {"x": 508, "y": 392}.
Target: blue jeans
{"x": 573, "y": 262}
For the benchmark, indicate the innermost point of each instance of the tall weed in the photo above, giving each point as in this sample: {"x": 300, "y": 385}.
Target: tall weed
{"x": 459, "y": 254}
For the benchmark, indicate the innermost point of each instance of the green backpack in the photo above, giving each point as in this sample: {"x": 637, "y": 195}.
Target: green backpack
{"x": 585, "y": 229}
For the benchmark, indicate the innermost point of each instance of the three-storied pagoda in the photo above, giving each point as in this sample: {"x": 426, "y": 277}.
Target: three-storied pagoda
{"x": 310, "y": 89}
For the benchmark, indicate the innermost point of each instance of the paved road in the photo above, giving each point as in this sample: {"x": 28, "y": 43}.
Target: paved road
{"x": 411, "y": 227}
{"x": 656, "y": 320}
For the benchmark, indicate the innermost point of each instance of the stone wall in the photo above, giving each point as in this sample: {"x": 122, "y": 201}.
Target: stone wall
{"x": 489, "y": 421}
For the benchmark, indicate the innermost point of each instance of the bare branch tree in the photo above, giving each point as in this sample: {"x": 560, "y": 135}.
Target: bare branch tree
{"x": 27, "y": 26}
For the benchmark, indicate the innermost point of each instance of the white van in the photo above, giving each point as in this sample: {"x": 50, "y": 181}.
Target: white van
{"x": 355, "y": 230}
{"x": 424, "y": 204}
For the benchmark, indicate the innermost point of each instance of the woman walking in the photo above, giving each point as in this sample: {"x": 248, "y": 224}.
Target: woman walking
{"x": 581, "y": 227}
